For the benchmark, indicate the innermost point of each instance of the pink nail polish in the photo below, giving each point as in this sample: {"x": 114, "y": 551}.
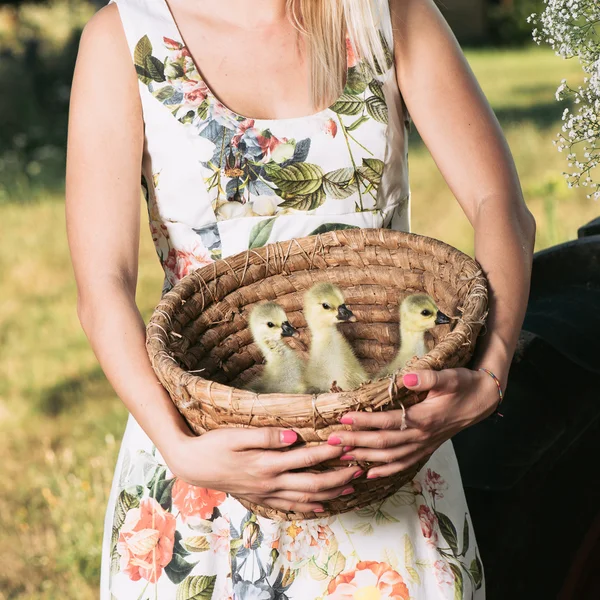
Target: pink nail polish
{"x": 348, "y": 448}
{"x": 410, "y": 379}
{"x": 348, "y": 490}
{"x": 374, "y": 476}
{"x": 334, "y": 441}
{"x": 347, "y": 457}
{"x": 357, "y": 474}
{"x": 319, "y": 510}
{"x": 346, "y": 420}
{"x": 288, "y": 437}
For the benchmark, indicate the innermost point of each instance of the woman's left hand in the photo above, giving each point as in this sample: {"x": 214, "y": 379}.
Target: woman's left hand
{"x": 457, "y": 398}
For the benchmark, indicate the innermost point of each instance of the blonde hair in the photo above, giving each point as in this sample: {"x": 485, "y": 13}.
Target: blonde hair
{"x": 324, "y": 24}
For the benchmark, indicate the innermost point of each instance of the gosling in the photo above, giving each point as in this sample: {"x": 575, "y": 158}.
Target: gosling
{"x": 284, "y": 370}
{"x": 418, "y": 313}
{"x": 331, "y": 358}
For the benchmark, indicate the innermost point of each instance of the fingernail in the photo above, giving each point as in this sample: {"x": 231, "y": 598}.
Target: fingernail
{"x": 334, "y": 441}
{"x": 347, "y": 457}
{"x": 288, "y": 437}
{"x": 372, "y": 476}
{"x": 319, "y": 510}
{"x": 346, "y": 420}
{"x": 357, "y": 474}
{"x": 348, "y": 448}
{"x": 410, "y": 379}
{"x": 348, "y": 490}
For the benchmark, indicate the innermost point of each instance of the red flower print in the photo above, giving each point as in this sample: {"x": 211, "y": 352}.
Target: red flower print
{"x": 435, "y": 484}
{"x": 146, "y": 541}
{"x": 172, "y": 44}
{"x": 195, "y": 502}
{"x": 428, "y": 523}
{"x": 369, "y": 580}
{"x": 330, "y": 127}
{"x": 352, "y": 60}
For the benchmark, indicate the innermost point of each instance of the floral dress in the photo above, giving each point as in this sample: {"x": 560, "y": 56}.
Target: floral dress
{"x": 217, "y": 183}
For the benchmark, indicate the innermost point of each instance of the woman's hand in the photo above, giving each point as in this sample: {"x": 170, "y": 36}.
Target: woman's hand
{"x": 249, "y": 462}
{"x": 457, "y": 399}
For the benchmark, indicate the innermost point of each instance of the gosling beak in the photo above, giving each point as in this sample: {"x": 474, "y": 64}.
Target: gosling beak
{"x": 441, "y": 318}
{"x": 345, "y": 314}
{"x": 287, "y": 330}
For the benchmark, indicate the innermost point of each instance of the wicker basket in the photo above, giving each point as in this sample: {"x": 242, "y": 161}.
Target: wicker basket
{"x": 200, "y": 326}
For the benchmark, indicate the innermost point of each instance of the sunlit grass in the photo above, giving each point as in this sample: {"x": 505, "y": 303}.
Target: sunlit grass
{"x": 60, "y": 422}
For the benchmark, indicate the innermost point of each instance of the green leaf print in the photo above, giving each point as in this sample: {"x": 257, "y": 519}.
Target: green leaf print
{"x": 377, "y": 89}
{"x": 197, "y": 587}
{"x": 309, "y": 202}
{"x": 164, "y": 93}
{"x": 448, "y": 531}
{"x": 203, "y": 109}
{"x": 336, "y": 564}
{"x": 142, "y": 50}
{"x": 315, "y": 571}
{"x": 402, "y": 498}
{"x": 356, "y": 82}
{"x": 465, "y": 537}
{"x": 331, "y": 227}
{"x": 259, "y": 235}
{"x": 297, "y": 178}
{"x": 125, "y": 503}
{"x": 196, "y": 543}
{"x": 382, "y": 517}
{"x": 357, "y": 123}
{"x": 155, "y": 68}
{"x": 347, "y": 104}
{"x": 476, "y": 571}
{"x": 371, "y": 170}
{"x": 341, "y": 183}
{"x": 377, "y": 108}
{"x": 179, "y": 568}
{"x": 458, "y": 581}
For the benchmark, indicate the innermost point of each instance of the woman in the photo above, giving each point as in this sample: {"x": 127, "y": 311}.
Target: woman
{"x": 248, "y": 119}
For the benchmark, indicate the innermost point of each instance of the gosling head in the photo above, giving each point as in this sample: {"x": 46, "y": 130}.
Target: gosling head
{"x": 269, "y": 323}
{"x": 419, "y": 312}
{"x": 324, "y": 306}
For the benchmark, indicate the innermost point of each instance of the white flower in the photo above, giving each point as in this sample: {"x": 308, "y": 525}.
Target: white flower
{"x": 264, "y": 206}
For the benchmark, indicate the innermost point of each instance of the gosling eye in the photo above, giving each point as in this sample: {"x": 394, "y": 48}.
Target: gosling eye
{"x": 326, "y": 306}
{"x": 270, "y": 324}
{"x": 426, "y": 313}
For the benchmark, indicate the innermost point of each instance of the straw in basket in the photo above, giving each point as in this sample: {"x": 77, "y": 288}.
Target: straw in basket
{"x": 202, "y": 350}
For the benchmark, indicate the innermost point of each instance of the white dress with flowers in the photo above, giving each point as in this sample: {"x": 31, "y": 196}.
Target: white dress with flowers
{"x": 217, "y": 183}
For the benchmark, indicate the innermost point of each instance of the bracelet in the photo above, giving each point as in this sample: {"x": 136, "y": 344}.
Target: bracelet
{"x": 500, "y": 393}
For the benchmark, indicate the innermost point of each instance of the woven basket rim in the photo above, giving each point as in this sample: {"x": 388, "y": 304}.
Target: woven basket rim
{"x": 157, "y": 340}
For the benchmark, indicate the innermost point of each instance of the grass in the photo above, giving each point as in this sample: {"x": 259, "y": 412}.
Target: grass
{"x": 60, "y": 422}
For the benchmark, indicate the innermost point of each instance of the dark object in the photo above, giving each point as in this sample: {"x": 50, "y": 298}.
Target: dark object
{"x": 530, "y": 473}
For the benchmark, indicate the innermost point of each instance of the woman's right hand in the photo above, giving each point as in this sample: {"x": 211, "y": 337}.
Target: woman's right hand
{"x": 249, "y": 463}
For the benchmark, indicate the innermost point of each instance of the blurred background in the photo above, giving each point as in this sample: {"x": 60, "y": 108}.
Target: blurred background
{"x": 60, "y": 422}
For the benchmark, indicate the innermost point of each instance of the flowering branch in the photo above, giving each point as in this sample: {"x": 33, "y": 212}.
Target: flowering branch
{"x": 572, "y": 29}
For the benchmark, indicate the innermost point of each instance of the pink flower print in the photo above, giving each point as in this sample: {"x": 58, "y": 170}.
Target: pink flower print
{"x": 194, "y": 92}
{"x": 443, "y": 574}
{"x": 416, "y": 486}
{"x": 180, "y": 262}
{"x": 428, "y": 524}
{"x": 241, "y": 130}
{"x": 330, "y": 127}
{"x": 220, "y": 536}
{"x": 435, "y": 484}
{"x": 194, "y": 502}
{"x": 146, "y": 541}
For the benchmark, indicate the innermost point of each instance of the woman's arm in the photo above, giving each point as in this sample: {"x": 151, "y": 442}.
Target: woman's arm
{"x": 103, "y": 221}
{"x": 463, "y": 135}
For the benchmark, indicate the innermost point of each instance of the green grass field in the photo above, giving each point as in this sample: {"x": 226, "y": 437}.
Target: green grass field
{"x": 60, "y": 422}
